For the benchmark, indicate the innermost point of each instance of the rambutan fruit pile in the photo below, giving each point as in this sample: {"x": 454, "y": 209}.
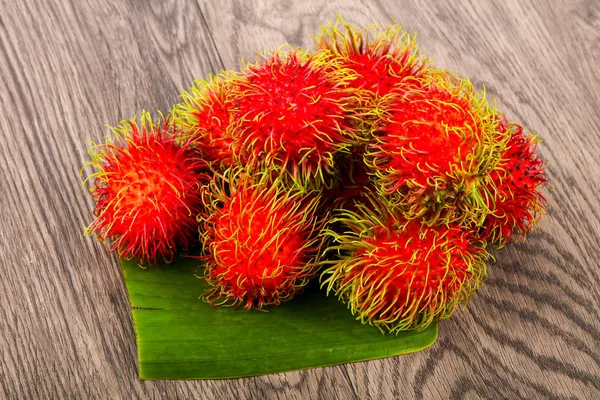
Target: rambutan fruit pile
{"x": 358, "y": 165}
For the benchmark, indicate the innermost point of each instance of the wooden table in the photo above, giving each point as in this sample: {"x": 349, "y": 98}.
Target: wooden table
{"x": 69, "y": 67}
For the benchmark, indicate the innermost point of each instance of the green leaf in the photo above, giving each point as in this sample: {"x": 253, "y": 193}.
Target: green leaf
{"x": 181, "y": 337}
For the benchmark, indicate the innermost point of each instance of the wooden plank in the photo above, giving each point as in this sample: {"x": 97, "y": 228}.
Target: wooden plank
{"x": 68, "y": 68}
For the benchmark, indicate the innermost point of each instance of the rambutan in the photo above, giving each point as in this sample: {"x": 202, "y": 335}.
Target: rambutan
{"x": 397, "y": 274}
{"x": 205, "y": 116}
{"x": 261, "y": 236}
{"x": 382, "y": 58}
{"x": 292, "y": 111}
{"x": 147, "y": 187}
{"x": 517, "y": 203}
{"x": 434, "y": 146}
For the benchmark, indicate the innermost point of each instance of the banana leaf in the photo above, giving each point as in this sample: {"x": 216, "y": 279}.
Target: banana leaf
{"x": 181, "y": 337}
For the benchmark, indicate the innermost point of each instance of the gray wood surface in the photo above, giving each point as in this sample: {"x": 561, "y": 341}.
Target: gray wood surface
{"x": 69, "y": 67}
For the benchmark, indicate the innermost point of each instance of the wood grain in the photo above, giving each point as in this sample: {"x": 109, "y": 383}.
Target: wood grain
{"x": 69, "y": 67}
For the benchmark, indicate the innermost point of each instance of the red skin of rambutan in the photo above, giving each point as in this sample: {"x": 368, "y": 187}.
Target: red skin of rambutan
{"x": 416, "y": 140}
{"x": 433, "y": 148}
{"x": 292, "y": 111}
{"x": 381, "y": 58}
{"x": 517, "y": 181}
{"x": 205, "y": 116}
{"x": 147, "y": 188}
{"x": 403, "y": 275}
{"x": 261, "y": 240}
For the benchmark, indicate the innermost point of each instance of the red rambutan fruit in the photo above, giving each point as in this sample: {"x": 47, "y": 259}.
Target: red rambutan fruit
{"x": 435, "y": 144}
{"x": 516, "y": 183}
{"x": 397, "y": 274}
{"x": 261, "y": 239}
{"x": 205, "y": 116}
{"x": 292, "y": 111}
{"x": 147, "y": 188}
{"x": 382, "y": 58}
